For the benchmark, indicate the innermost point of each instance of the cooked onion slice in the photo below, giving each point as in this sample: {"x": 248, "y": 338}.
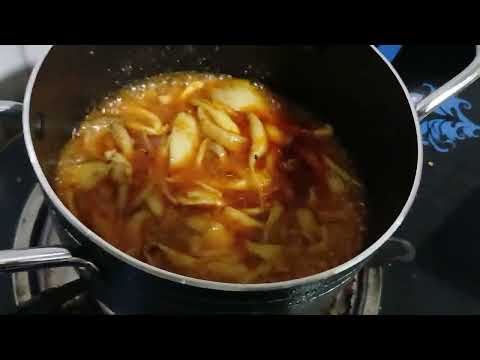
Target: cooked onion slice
{"x": 86, "y": 175}
{"x": 184, "y": 141}
{"x": 240, "y": 95}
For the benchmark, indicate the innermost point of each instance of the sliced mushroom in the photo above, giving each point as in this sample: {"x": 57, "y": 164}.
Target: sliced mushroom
{"x": 122, "y": 138}
{"x": 218, "y": 150}
{"x": 199, "y": 223}
{"x": 121, "y": 168}
{"x": 69, "y": 199}
{"x": 338, "y": 170}
{"x": 308, "y": 224}
{"x": 177, "y": 258}
{"x": 275, "y": 213}
{"x": 134, "y": 226}
{"x": 168, "y": 194}
{"x": 253, "y": 211}
{"x": 92, "y": 131}
{"x": 155, "y": 203}
{"x": 240, "y": 218}
{"x": 122, "y": 196}
{"x": 200, "y": 197}
{"x": 219, "y": 117}
{"x": 335, "y": 183}
{"x": 202, "y": 150}
{"x": 190, "y": 89}
{"x": 142, "y": 195}
{"x": 259, "y": 139}
{"x": 209, "y": 188}
{"x": 140, "y": 119}
{"x": 165, "y": 99}
{"x": 217, "y": 237}
{"x": 238, "y": 184}
{"x": 206, "y": 146}
{"x": 231, "y": 271}
{"x": 229, "y": 140}
{"x": 324, "y": 131}
{"x": 268, "y": 252}
{"x": 276, "y": 135}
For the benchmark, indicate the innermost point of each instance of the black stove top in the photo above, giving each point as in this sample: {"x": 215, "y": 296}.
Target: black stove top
{"x": 441, "y": 225}
{"x": 442, "y": 222}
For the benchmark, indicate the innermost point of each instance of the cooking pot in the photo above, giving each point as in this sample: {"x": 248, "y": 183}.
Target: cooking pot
{"x": 353, "y": 87}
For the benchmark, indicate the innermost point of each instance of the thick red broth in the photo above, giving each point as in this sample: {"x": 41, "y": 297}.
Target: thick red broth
{"x": 215, "y": 178}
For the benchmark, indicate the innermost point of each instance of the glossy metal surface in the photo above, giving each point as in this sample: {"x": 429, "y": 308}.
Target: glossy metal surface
{"x": 35, "y": 258}
{"x": 451, "y": 88}
{"x": 7, "y": 107}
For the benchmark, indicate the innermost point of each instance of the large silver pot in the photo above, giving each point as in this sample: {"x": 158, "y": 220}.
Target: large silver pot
{"x": 354, "y": 87}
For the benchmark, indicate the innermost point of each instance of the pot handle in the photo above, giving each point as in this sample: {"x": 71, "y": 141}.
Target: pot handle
{"x": 394, "y": 250}
{"x": 41, "y": 257}
{"x": 10, "y": 108}
{"x": 451, "y": 88}
{"x": 50, "y": 300}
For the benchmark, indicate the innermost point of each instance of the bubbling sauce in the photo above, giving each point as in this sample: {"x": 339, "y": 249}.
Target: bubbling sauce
{"x": 215, "y": 178}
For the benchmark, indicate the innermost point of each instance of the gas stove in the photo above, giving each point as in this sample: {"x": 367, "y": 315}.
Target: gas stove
{"x": 442, "y": 277}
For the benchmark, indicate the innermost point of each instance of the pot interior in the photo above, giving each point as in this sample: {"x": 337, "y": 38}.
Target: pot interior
{"x": 349, "y": 86}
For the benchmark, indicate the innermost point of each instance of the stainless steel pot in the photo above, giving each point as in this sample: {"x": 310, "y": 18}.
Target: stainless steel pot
{"x": 353, "y": 86}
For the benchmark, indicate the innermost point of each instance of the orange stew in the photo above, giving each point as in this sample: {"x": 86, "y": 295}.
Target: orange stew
{"x": 215, "y": 178}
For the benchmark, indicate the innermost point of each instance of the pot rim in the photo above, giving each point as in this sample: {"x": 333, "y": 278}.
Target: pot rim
{"x": 207, "y": 284}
